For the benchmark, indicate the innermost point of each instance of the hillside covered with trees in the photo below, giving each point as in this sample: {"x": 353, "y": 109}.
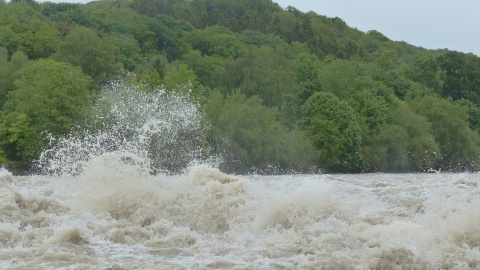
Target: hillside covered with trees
{"x": 280, "y": 90}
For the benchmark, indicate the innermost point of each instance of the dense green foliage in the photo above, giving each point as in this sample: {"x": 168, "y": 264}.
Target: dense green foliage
{"x": 48, "y": 99}
{"x": 280, "y": 90}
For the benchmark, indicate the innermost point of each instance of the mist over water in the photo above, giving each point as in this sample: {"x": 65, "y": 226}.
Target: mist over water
{"x": 102, "y": 207}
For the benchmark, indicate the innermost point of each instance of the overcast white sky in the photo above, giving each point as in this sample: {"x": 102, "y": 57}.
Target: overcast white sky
{"x": 431, "y": 24}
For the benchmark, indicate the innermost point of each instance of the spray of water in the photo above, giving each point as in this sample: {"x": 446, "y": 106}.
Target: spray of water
{"x": 153, "y": 131}
{"x": 115, "y": 215}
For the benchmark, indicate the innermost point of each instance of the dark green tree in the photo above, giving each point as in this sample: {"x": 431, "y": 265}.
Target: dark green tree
{"x": 307, "y": 70}
{"x": 459, "y": 145}
{"x": 207, "y": 68}
{"x": 426, "y": 71}
{"x": 216, "y": 40}
{"x": 38, "y": 39}
{"x": 461, "y": 76}
{"x": 331, "y": 126}
{"x": 8, "y": 69}
{"x": 49, "y": 98}
{"x": 473, "y": 113}
{"x": 251, "y": 140}
{"x": 264, "y": 72}
{"x": 419, "y": 150}
{"x": 96, "y": 56}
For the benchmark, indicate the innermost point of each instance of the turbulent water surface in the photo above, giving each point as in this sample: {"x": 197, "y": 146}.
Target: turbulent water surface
{"x": 109, "y": 204}
{"x": 116, "y": 219}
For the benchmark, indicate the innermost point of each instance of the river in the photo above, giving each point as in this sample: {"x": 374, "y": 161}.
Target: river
{"x": 205, "y": 219}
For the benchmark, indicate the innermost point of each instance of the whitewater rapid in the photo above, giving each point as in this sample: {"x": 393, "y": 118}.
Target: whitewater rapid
{"x": 205, "y": 219}
{"x": 111, "y": 202}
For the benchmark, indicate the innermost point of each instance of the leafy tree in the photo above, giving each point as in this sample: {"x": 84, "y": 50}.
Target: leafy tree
{"x": 129, "y": 51}
{"x": 151, "y": 8}
{"x": 406, "y": 143}
{"x": 20, "y": 143}
{"x": 461, "y": 76}
{"x": 216, "y": 40}
{"x": 284, "y": 24}
{"x": 29, "y": 2}
{"x": 473, "y": 113}
{"x": 16, "y": 14}
{"x": 167, "y": 35}
{"x": 8, "y": 68}
{"x": 459, "y": 145}
{"x": 377, "y": 35}
{"x": 331, "y": 126}
{"x": 251, "y": 139}
{"x": 349, "y": 49}
{"x": 264, "y": 72}
{"x": 49, "y": 98}
{"x": 343, "y": 78}
{"x": 384, "y": 149}
{"x": 371, "y": 107}
{"x": 419, "y": 149}
{"x": 182, "y": 79}
{"x": 235, "y": 15}
{"x": 319, "y": 38}
{"x": 259, "y": 39}
{"x": 195, "y": 12}
{"x": 207, "y": 68}
{"x": 38, "y": 39}
{"x": 405, "y": 88}
{"x": 7, "y": 38}
{"x": 387, "y": 59}
{"x": 307, "y": 71}
{"x": 96, "y": 56}
{"x": 453, "y": 67}
{"x": 425, "y": 70}
{"x": 3, "y": 158}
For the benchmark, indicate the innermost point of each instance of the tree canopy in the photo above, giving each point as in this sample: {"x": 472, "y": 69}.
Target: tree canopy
{"x": 280, "y": 90}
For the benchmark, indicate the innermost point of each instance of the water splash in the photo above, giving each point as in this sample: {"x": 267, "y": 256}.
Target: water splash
{"x": 5, "y": 175}
{"x": 154, "y": 131}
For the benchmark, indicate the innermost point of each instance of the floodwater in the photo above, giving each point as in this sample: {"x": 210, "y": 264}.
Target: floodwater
{"x": 117, "y": 219}
{"x": 101, "y": 207}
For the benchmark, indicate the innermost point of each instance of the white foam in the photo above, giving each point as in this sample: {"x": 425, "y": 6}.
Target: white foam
{"x": 5, "y": 176}
{"x": 205, "y": 218}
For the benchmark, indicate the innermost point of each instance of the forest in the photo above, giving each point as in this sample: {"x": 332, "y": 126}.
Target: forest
{"x": 281, "y": 91}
